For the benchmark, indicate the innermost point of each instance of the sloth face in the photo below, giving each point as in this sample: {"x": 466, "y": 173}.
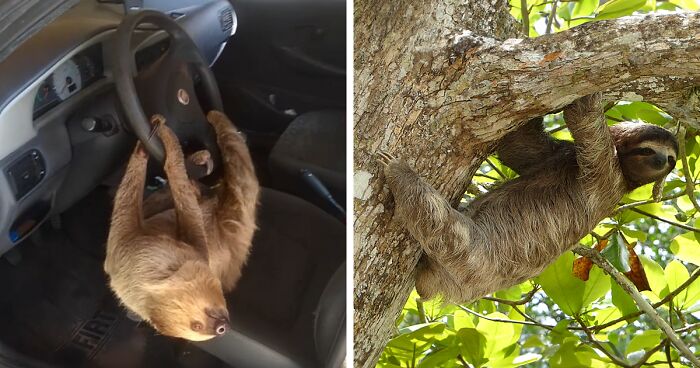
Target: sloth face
{"x": 190, "y": 304}
{"x": 647, "y": 152}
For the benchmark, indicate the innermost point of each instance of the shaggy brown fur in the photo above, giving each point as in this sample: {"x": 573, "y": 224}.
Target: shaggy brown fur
{"x": 173, "y": 268}
{"x": 513, "y": 232}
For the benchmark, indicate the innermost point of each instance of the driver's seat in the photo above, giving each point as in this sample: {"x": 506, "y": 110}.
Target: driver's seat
{"x": 288, "y": 310}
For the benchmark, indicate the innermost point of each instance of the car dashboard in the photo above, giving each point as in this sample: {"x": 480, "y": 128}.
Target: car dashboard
{"x": 61, "y": 129}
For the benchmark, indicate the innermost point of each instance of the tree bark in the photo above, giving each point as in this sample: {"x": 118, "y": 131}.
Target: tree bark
{"x": 437, "y": 84}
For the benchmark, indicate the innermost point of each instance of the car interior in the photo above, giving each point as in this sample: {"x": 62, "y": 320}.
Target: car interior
{"x": 74, "y": 100}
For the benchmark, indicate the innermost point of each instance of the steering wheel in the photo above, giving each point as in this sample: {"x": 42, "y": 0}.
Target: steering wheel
{"x": 166, "y": 87}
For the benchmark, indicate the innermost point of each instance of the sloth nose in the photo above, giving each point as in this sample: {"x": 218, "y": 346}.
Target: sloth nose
{"x": 222, "y": 327}
{"x": 659, "y": 161}
{"x": 219, "y": 321}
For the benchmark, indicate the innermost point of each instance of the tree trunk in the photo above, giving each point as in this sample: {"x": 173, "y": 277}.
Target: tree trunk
{"x": 394, "y": 48}
{"x": 439, "y": 97}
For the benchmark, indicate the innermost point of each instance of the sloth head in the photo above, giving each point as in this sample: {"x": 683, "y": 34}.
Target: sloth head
{"x": 647, "y": 152}
{"x": 189, "y": 304}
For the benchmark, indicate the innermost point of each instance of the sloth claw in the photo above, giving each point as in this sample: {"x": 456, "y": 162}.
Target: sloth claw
{"x": 385, "y": 158}
{"x": 156, "y": 122}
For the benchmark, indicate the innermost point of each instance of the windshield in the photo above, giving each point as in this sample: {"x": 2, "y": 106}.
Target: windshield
{"x": 23, "y": 18}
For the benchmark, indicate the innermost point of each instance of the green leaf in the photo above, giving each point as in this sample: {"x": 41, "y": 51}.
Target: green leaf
{"x": 417, "y": 337}
{"x": 634, "y": 235}
{"x": 638, "y": 110}
{"x": 584, "y": 8}
{"x": 686, "y": 248}
{"x": 691, "y": 5}
{"x": 617, "y": 254}
{"x": 658, "y": 209}
{"x": 561, "y": 333}
{"x": 440, "y": 357}
{"x": 667, "y": 6}
{"x": 472, "y": 345}
{"x": 596, "y": 287}
{"x": 685, "y": 204}
{"x": 436, "y": 308}
{"x": 650, "y": 6}
{"x": 498, "y": 335}
{"x": 606, "y": 315}
{"x": 564, "y": 12}
{"x": 517, "y": 328}
{"x": 512, "y": 293}
{"x": 653, "y": 116}
{"x": 676, "y": 274}
{"x": 461, "y": 319}
{"x": 644, "y": 341}
{"x": 622, "y": 300}
{"x": 641, "y": 193}
{"x": 655, "y": 275}
{"x": 618, "y": 8}
{"x": 533, "y": 342}
{"x": 693, "y": 294}
{"x": 526, "y": 359}
{"x": 562, "y": 286}
{"x": 568, "y": 357}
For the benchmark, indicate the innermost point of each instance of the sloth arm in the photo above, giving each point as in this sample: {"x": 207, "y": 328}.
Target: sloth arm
{"x": 127, "y": 216}
{"x": 599, "y": 171}
{"x": 239, "y": 193}
{"x": 190, "y": 222}
{"x": 526, "y": 149}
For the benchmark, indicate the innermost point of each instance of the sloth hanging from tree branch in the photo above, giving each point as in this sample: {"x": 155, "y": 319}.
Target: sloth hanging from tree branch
{"x": 439, "y": 84}
{"x": 512, "y": 233}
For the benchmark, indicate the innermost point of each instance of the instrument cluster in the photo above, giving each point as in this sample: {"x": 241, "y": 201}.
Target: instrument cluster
{"x": 69, "y": 78}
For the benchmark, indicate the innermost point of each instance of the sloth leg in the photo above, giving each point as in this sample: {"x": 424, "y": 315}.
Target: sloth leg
{"x": 433, "y": 279}
{"x": 443, "y": 232}
{"x": 127, "y": 216}
{"x": 525, "y": 148}
{"x": 190, "y": 222}
{"x": 239, "y": 194}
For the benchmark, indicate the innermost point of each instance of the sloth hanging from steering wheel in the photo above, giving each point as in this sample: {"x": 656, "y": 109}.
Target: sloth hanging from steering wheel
{"x": 172, "y": 266}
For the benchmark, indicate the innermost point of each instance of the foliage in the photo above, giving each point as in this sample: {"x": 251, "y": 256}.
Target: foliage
{"x": 556, "y": 319}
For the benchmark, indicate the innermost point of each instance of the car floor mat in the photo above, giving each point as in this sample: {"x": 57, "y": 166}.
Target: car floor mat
{"x": 56, "y": 306}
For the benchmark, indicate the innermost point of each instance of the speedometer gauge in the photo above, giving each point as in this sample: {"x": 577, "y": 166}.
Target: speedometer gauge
{"x": 66, "y": 79}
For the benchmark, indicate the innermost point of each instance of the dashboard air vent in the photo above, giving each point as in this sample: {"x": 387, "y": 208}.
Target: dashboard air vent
{"x": 226, "y": 19}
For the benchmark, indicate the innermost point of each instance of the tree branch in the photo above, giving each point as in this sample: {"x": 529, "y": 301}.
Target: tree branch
{"x": 628, "y": 287}
{"x": 528, "y": 323}
{"x": 666, "y": 299}
{"x": 650, "y": 57}
{"x": 525, "y": 14}
{"x": 649, "y": 353}
{"x": 688, "y": 328}
{"x": 648, "y": 201}
{"x": 676, "y": 224}
{"x": 521, "y": 301}
{"x": 615, "y": 359}
{"x": 689, "y": 187}
{"x": 496, "y": 169}
{"x": 550, "y": 19}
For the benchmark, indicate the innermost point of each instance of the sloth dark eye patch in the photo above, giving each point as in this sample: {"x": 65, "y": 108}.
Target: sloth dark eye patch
{"x": 643, "y": 151}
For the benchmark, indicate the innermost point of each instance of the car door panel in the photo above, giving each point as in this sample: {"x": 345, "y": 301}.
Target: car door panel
{"x": 287, "y": 58}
